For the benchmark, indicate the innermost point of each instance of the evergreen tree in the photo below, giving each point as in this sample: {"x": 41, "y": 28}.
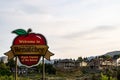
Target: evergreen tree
{"x": 80, "y": 59}
{"x": 4, "y": 70}
{"x": 11, "y": 64}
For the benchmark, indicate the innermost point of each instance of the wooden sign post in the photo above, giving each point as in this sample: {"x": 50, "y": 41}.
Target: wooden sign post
{"x": 16, "y": 68}
{"x": 43, "y": 74}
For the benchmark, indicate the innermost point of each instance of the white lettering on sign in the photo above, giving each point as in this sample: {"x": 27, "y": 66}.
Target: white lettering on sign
{"x": 24, "y": 41}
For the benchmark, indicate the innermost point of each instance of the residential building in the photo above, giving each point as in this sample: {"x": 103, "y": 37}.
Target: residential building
{"x": 69, "y": 64}
{"x": 4, "y": 59}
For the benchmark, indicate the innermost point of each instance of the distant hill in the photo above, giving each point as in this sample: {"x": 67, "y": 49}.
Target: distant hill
{"x": 113, "y": 53}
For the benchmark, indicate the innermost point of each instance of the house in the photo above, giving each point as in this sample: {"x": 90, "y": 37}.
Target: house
{"x": 100, "y": 63}
{"x": 4, "y": 59}
{"x": 81, "y": 63}
{"x": 66, "y": 65}
{"x": 116, "y": 62}
{"x": 94, "y": 64}
{"x": 109, "y": 63}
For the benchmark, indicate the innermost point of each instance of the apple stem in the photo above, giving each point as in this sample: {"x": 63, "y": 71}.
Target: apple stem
{"x": 29, "y": 30}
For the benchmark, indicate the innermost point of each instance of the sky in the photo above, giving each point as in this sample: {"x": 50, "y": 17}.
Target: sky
{"x": 73, "y": 28}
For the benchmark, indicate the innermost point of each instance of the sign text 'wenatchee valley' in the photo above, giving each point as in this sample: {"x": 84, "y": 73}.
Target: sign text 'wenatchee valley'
{"x": 29, "y": 49}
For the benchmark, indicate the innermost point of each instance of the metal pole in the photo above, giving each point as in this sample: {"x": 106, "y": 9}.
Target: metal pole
{"x": 43, "y": 75}
{"x": 16, "y": 68}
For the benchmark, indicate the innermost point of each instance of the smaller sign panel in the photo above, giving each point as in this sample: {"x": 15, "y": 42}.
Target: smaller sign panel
{"x": 29, "y": 60}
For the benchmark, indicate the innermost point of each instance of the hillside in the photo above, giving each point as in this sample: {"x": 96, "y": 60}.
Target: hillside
{"x": 113, "y": 53}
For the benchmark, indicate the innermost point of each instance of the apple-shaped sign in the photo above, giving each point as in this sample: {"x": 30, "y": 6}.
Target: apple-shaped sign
{"x": 29, "y": 47}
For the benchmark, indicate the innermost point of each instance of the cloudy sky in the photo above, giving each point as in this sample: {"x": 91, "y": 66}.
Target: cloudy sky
{"x": 72, "y": 28}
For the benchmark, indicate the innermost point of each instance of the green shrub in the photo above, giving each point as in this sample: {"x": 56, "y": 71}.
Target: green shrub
{"x": 105, "y": 77}
{"x": 6, "y": 77}
{"x": 4, "y": 72}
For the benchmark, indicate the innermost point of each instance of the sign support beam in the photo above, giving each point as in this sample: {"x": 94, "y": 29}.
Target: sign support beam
{"x": 43, "y": 63}
{"x": 16, "y": 68}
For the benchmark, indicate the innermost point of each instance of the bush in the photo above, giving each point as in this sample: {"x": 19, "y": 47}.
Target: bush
{"x": 48, "y": 68}
{"x": 6, "y": 78}
{"x": 5, "y": 72}
{"x": 105, "y": 77}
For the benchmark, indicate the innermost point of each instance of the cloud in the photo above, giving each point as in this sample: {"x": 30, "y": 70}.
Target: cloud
{"x": 91, "y": 34}
{"x": 103, "y": 28}
{"x": 63, "y": 22}
{"x": 29, "y": 9}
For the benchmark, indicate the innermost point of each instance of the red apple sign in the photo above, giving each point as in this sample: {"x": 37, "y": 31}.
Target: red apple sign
{"x": 27, "y": 42}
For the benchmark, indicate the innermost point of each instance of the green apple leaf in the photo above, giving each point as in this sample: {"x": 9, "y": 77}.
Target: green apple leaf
{"x": 20, "y": 32}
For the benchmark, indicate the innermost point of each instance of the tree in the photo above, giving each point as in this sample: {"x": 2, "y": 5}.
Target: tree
{"x": 48, "y": 68}
{"x": 109, "y": 73}
{"x": 118, "y": 74}
{"x": 4, "y": 70}
{"x": 11, "y": 64}
{"x": 80, "y": 59}
{"x": 85, "y": 59}
{"x": 94, "y": 77}
{"x": 116, "y": 56}
{"x": 105, "y": 57}
{"x": 3, "y": 66}
{"x": 39, "y": 68}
